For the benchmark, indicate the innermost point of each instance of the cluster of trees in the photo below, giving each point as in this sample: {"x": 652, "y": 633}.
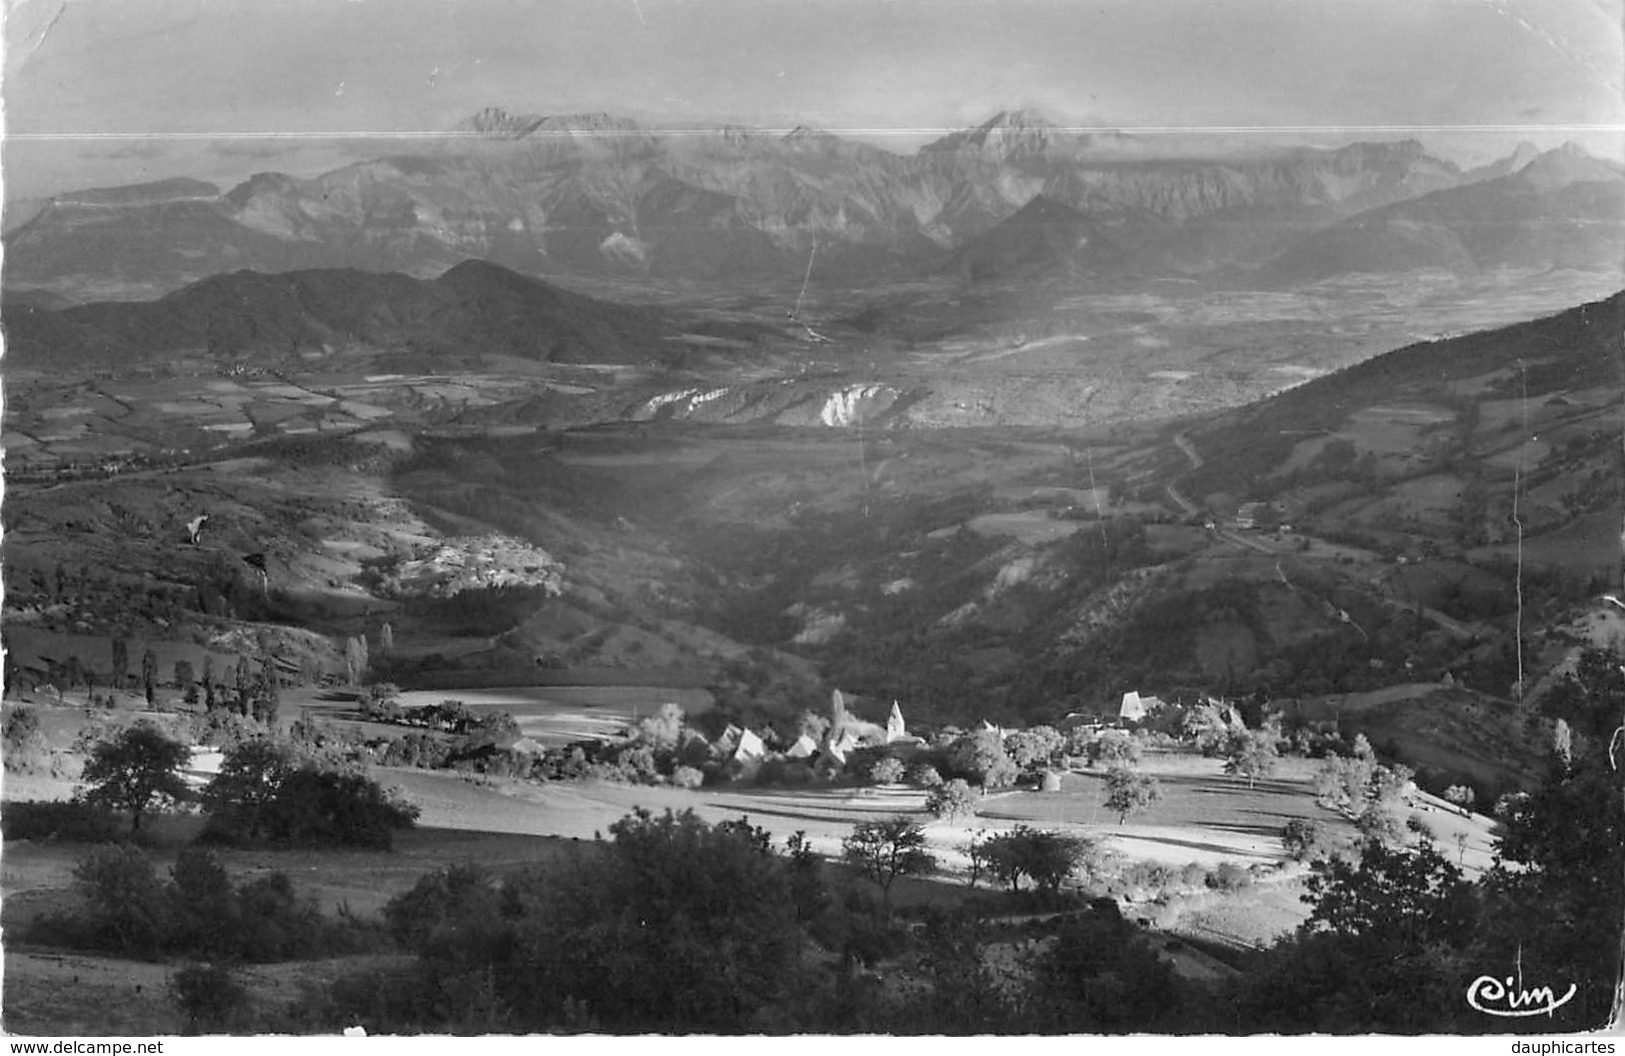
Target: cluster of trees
{"x": 129, "y": 910}
{"x": 1373, "y": 795}
{"x": 1396, "y": 935}
{"x": 673, "y": 925}
{"x": 676, "y": 925}
{"x": 251, "y": 690}
{"x": 87, "y": 592}
{"x": 268, "y": 791}
{"x": 379, "y": 704}
{"x": 1048, "y": 859}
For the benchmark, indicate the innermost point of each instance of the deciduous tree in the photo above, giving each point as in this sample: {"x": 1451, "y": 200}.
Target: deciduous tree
{"x": 953, "y": 799}
{"x": 1251, "y": 754}
{"x": 1129, "y": 791}
{"x": 885, "y": 850}
{"x": 135, "y": 769}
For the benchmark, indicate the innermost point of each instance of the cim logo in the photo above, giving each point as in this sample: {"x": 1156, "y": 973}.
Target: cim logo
{"x": 1496, "y": 997}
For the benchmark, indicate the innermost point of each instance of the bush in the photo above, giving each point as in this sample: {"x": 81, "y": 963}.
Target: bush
{"x": 127, "y": 910}
{"x": 327, "y": 808}
{"x": 209, "y": 996}
{"x": 887, "y": 771}
{"x": 1150, "y": 878}
{"x": 205, "y": 919}
{"x": 277, "y": 925}
{"x": 1113, "y": 748}
{"x": 439, "y": 898}
{"x": 687, "y": 777}
{"x": 38, "y": 819}
{"x": 1229, "y": 877}
{"x": 264, "y": 794}
{"x": 24, "y": 745}
{"x": 924, "y": 775}
{"x": 1304, "y": 839}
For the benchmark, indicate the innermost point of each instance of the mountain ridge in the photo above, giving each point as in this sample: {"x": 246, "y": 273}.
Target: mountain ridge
{"x": 595, "y": 194}
{"x": 302, "y": 316}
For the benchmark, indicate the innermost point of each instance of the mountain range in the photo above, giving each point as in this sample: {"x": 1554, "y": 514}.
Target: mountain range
{"x": 596, "y": 195}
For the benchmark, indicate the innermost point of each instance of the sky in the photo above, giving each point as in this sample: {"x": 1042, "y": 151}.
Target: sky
{"x": 100, "y": 92}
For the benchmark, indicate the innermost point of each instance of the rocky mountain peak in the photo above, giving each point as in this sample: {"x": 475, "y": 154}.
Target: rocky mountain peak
{"x": 1567, "y": 164}
{"x": 498, "y": 123}
{"x": 1010, "y": 135}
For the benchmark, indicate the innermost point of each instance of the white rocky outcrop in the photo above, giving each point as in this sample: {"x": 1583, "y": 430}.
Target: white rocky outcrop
{"x": 850, "y": 406}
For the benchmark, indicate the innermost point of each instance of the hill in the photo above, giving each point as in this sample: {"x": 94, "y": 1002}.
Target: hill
{"x": 1044, "y": 238}
{"x": 1562, "y": 209}
{"x": 1547, "y": 360}
{"x": 475, "y": 307}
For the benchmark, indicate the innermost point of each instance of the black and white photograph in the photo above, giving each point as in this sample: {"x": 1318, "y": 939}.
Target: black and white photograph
{"x": 814, "y": 519}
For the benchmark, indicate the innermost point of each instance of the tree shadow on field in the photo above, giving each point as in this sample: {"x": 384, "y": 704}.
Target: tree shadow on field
{"x": 1246, "y": 829}
{"x": 1237, "y": 786}
{"x": 1197, "y": 845}
{"x": 844, "y": 814}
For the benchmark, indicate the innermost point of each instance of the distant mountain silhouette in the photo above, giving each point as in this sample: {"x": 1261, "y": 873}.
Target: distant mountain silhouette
{"x": 1043, "y": 238}
{"x": 475, "y": 307}
{"x": 595, "y": 194}
{"x": 1561, "y": 209}
{"x": 1574, "y": 349}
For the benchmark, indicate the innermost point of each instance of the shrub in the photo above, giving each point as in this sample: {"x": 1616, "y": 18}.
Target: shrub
{"x": 924, "y": 775}
{"x": 1229, "y": 877}
{"x": 436, "y": 899}
{"x": 24, "y": 744}
{"x": 126, "y": 905}
{"x": 277, "y": 925}
{"x": 1304, "y": 839}
{"x": 327, "y": 808}
{"x": 687, "y": 777}
{"x": 677, "y": 925}
{"x": 204, "y": 917}
{"x": 1151, "y": 878}
{"x": 887, "y": 771}
{"x": 1113, "y": 748}
{"x": 209, "y": 996}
